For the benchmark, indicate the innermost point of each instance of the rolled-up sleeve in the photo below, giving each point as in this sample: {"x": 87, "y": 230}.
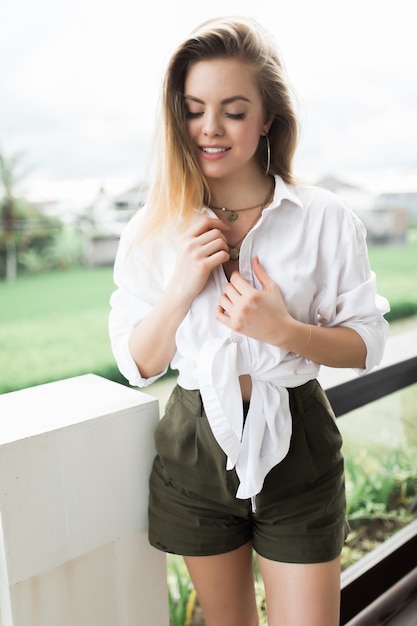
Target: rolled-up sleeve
{"x": 135, "y": 295}
{"x": 349, "y": 296}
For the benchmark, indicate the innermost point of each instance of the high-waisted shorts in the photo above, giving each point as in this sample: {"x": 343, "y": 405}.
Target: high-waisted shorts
{"x": 300, "y": 513}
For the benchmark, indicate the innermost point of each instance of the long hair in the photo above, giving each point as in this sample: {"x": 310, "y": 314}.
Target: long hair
{"x": 178, "y": 185}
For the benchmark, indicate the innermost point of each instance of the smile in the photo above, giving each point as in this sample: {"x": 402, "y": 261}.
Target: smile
{"x": 214, "y": 150}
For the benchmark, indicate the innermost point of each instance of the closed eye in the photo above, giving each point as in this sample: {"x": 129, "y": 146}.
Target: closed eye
{"x": 236, "y": 116}
{"x": 191, "y": 115}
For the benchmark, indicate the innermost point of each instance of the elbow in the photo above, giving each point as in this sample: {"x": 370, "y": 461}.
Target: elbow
{"x": 374, "y": 340}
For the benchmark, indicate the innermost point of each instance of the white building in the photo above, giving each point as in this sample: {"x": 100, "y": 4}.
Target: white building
{"x": 386, "y": 222}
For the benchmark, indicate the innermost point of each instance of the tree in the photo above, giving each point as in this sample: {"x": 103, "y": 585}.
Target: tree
{"x": 11, "y": 175}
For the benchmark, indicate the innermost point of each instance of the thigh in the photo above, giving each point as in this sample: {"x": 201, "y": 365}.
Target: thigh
{"x": 302, "y": 593}
{"x": 225, "y": 587}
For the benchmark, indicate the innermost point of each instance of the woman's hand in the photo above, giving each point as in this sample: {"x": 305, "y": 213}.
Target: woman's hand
{"x": 261, "y": 315}
{"x": 202, "y": 248}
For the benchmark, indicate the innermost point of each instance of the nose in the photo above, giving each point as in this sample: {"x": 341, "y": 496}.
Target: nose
{"x": 212, "y": 126}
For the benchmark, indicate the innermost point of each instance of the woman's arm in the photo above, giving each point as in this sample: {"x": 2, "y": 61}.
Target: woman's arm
{"x": 202, "y": 248}
{"x": 152, "y": 341}
{"x": 334, "y": 347}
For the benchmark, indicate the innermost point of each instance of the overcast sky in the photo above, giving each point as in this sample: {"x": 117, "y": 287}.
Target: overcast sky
{"x": 80, "y": 81}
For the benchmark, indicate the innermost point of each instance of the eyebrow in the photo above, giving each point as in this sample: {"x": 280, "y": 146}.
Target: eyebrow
{"x": 225, "y": 101}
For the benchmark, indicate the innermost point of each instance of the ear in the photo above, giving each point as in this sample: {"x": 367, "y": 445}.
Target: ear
{"x": 269, "y": 118}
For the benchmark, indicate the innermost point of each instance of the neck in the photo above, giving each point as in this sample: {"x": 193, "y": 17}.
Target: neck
{"x": 239, "y": 193}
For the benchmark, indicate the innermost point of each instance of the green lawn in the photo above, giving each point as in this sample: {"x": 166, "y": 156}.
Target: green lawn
{"x": 54, "y": 325}
{"x": 396, "y": 271}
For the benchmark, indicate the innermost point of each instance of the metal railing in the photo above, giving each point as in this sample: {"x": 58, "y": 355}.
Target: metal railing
{"x": 385, "y": 580}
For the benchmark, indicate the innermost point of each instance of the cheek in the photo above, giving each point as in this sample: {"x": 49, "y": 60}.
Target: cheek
{"x": 250, "y": 139}
{"x": 191, "y": 128}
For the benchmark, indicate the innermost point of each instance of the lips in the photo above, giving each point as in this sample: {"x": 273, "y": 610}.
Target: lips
{"x": 209, "y": 150}
{"x": 212, "y": 154}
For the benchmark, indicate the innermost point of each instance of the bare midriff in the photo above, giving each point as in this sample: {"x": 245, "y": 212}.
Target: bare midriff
{"x": 246, "y": 386}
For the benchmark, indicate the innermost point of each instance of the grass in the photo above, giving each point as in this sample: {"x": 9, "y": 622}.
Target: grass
{"x": 396, "y": 271}
{"x": 55, "y": 293}
{"x": 54, "y": 326}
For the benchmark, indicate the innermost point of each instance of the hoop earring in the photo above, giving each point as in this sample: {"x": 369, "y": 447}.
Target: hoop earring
{"x": 268, "y": 154}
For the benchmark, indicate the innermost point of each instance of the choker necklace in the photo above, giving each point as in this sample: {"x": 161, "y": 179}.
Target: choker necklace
{"x": 233, "y": 214}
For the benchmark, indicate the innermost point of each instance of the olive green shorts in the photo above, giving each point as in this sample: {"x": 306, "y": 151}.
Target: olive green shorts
{"x": 300, "y": 512}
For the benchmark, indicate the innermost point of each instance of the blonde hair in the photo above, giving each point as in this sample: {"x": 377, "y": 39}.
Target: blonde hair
{"x": 179, "y": 186}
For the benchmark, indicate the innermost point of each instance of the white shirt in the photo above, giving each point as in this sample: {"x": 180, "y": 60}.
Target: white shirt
{"x": 313, "y": 246}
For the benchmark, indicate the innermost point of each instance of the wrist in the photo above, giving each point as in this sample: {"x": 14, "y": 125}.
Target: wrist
{"x": 177, "y": 296}
{"x": 298, "y": 337}
{"x": 306, "y": 342}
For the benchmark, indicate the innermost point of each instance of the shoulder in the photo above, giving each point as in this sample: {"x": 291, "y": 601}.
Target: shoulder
{"x": 328, "y": 213}
{"x": 318, "y": 198}
{"x": 140, "y": 251}
{"x": 135, "y": 224}
{"x": 327, "y": 204}
{"x": 310, "y": 198}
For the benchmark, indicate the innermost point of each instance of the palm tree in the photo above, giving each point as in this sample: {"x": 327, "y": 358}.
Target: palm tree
{"x": 10, "y": 178}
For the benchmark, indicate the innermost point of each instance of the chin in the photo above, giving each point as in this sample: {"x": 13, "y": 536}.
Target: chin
{"x": 216, "y": 172}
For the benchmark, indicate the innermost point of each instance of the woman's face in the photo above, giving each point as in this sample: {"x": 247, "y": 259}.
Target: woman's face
{"x": 225, "y": 116}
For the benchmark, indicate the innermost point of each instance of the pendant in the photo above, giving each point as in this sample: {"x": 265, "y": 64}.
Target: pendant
{"x": 234, "y": 254}
{"x": 232, "y": 215}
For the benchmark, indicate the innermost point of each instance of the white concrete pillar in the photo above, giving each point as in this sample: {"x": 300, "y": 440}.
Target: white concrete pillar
{"x": 75, "y": 457}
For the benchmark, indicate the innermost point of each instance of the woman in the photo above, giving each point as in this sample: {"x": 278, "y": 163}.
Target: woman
{"x": 245, "y": 282}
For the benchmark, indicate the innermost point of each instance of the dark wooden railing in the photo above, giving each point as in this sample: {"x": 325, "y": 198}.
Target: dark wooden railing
{"x": 383, "y": 582}
{"x": 378, "y": 384}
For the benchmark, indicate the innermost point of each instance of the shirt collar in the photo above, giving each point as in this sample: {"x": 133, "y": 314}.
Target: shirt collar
{"x": 283, "y": 191}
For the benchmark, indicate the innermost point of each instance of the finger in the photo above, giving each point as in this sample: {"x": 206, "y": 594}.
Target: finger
{"x": 260, "y": 273}
{"x": 224, "y": 303}
{"x": 215, "y": 234}
{"x": 231, "y": 292}
{"x": 222, "y": 316}
{"x": 218, "y": 246}
{"x": 240, "y": 284}
{"x": 206, "y": 224}
{"x": 206, "y": 244}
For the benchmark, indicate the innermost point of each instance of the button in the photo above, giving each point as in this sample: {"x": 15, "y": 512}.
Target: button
{"x": 237, "y": 338}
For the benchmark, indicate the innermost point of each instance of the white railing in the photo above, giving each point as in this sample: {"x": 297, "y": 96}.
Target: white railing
{"x": 75, "y": 457}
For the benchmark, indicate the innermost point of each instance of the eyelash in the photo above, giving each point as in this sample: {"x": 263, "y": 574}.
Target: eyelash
{"x": 236, "y": 116}
{"x": 232, "y": 116}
